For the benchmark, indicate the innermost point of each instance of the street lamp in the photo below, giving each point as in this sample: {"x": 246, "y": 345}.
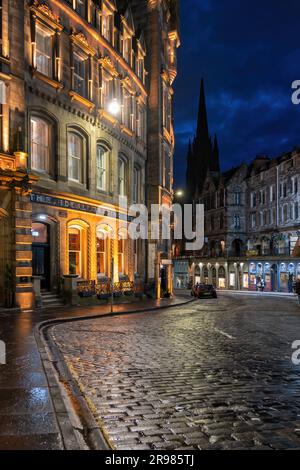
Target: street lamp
{"x": 114, "y": 107}
{"x": 179, "y": 193}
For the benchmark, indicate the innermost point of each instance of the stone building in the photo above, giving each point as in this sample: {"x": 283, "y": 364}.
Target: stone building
{"x": 252, "y": 222}
{"x": 75, "y": 92}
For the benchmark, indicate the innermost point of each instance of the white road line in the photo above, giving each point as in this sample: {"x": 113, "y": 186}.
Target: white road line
{"x": 224, "y": 334}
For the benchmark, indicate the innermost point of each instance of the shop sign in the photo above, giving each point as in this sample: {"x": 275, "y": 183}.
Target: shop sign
{"x": 77, "y": 206}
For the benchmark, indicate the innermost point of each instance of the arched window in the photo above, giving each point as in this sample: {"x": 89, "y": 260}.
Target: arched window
{"x": 103, "y": 154}
{"x": 76, "y": 144}
{"x": 41, "y": 143}
{"x": 122, "y": 183}
{"x": 101, "y": 254}
{"x": 75, "y": 251}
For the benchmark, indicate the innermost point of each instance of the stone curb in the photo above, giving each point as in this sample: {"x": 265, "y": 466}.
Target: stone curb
{"x": 59, "y": 375}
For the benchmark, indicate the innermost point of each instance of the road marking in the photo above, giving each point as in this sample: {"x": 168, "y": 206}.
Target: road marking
{"x": 224, "y": 334}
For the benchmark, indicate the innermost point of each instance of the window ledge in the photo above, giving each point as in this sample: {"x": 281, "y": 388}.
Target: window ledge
{"x": 127, "y": 131}
{"x": 50, "y": 81}
{"x": 104, "y": 114}
{"x": 80, "y": 99}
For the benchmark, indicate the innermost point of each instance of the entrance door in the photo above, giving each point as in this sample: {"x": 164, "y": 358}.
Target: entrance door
{"x": 41, "y": 253}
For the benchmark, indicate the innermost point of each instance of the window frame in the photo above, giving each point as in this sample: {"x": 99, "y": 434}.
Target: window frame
{"x": 48, "y": 170}
{"x": 81, "y": 159}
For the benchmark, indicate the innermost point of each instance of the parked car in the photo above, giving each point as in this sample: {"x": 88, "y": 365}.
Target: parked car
{"x": 204, "y": 290}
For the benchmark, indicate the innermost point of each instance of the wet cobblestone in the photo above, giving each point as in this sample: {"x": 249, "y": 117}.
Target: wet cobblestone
{"x": 215, "y": 374}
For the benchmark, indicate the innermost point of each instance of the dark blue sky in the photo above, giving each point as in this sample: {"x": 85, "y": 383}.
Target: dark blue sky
{"x": 248, "y": 52}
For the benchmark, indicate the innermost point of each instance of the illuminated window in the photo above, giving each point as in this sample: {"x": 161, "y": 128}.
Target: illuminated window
{"x": 75, "y": 155}
{"x": 75, "y": 262}
{"x": 122, "y": 177}
{"x": 40, "y": 144}
{"x": 44, "y": 52}
{"x": 102, "y": 167}
{"x": 101, "y": 254}
{"x": 121, "y": 252}
{"x": 127, "y": 49}
{"x": 106, "y": 26}
{"x": 80, "y": 81}
{"x": 135, "y": 256}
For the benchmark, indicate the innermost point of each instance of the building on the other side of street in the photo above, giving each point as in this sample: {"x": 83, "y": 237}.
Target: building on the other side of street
{"x": 75, "y": 90}
{"x": 252, "y": 221}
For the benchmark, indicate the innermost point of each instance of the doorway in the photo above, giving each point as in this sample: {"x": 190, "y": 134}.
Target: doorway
{"x": 41, "y": 253}
{"x": 274, "y": 278}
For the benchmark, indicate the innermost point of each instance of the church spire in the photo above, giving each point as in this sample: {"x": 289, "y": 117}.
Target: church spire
{"x": 215, "y": 161}
{"x": 202, "y": 125}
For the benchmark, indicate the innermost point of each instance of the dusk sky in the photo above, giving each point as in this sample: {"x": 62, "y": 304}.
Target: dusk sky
{"x": 248, "y": 52}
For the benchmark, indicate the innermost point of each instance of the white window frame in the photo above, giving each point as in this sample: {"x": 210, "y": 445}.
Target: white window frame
{"x": 43, "y": 150}
{"x": 73, "y": 158}
{"x": 80, "y": 78}
{"x": 47, "y": 67}
{"x": 122, "y": 183}
{"x": 102, "y": 167}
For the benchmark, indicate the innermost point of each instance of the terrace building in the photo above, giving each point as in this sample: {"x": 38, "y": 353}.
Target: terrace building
{"x": 75, "y": 92}
{"x": 252, "y": 220}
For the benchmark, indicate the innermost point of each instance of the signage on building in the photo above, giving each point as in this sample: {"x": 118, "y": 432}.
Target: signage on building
{"x": 78, "y": 206}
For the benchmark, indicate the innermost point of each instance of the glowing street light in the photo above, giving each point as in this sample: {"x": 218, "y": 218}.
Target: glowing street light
{"x": 114, "y": 107}
{"x": 179, "y": 193}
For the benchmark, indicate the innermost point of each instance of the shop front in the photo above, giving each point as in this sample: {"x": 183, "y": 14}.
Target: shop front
{"x": 74, "y": 238}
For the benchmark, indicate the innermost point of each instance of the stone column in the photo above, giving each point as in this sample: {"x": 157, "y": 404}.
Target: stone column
{"x": 22, "y": 266}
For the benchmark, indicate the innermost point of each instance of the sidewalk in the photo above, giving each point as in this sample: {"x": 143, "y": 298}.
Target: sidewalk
{"x": 32, "y": 417}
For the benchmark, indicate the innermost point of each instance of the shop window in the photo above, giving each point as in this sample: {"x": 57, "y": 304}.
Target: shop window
{"x": 75, "y": 156}
{"x": 44, "y": 52}
{"x": 121, "y": 255}
{"x": 101, "y": 255}
{"x": 75, "y": 262}
{"x": 102, "y": 167}
{"x": 135, "y": 250}
{"x": 40, "y": 144}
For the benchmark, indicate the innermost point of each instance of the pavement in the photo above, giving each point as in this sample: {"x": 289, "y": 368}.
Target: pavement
{"x": 214, "y": 374}
{"x": 33, "y": 414}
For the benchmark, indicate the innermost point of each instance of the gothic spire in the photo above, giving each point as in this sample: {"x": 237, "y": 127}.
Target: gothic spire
{"x": 202, "y": 125}
{"x": 215, "y": 161}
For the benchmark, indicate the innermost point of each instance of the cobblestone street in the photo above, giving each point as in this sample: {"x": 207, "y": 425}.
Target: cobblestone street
{"x": 215, "y": 374}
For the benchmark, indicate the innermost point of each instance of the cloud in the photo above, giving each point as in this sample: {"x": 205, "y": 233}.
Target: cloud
{"x": 247, "y": 53}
